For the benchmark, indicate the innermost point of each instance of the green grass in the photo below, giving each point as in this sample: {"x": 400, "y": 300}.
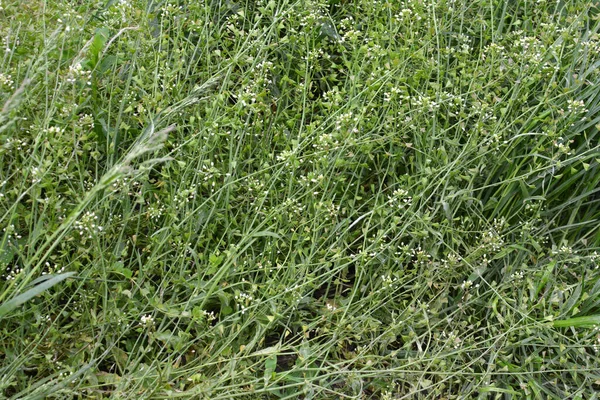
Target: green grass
{"x": 222, "y": 199}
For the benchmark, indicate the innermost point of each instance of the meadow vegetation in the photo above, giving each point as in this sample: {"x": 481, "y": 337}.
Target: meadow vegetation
{"x": 299, "y": 199}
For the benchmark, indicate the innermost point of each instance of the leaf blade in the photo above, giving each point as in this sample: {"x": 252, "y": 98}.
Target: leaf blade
{"x": 16, "y": 301}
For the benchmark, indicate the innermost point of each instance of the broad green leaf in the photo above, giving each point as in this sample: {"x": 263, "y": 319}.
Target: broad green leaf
{"x": 6, "y": 255}
{"x": 98, "y": 42}
{"x": 270, "y": 365}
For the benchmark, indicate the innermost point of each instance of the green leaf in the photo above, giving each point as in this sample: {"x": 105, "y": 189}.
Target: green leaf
{"x": 488, "y": 389}
{"x": 214, "y": 262}
{"x": 31, "y": 293}
{"x": 120, "y": 269}
{"x": 545, "y": 277}
{"x": 267, "y": 350}
{"x": 266, "y": 233}
{"x": 98, "y": 42}
{"x": 328, "y": 30}
{"x": 573, "y": 299}
{"x": 6, "y": 255}
{"x": 270, "y": 365}
{"x": 120, "y": 356}
{"x": 107, "y": 63}
{"x": 226, "y": 309}
{"x": 578, "y": 322}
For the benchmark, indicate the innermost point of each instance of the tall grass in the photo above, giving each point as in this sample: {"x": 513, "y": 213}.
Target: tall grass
{"x": 299, "y": 199}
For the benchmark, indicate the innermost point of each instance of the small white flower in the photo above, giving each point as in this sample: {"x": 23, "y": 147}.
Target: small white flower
{"x": 466, "y": 284}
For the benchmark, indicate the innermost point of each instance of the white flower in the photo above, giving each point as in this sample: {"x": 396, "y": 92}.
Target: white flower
{"x": 466, "y": 284}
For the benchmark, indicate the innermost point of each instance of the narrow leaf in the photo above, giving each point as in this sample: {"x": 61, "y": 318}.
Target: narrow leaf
{"x": 15, "y": 302}
{"x": 578, "y": 322}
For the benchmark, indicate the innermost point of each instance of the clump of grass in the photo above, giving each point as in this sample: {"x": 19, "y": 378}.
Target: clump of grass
{"x": 299, "y": 199}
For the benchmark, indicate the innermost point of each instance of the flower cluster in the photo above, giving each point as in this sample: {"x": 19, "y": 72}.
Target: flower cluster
{"x": 388, "y": 281}
{"x": 451, "y": 338}
{"x": 517, "y": 275}
{"x": 10, "y": 230}
{"x": 86, "y": 120}
{"x": 6, "y": 81}
{"x": 576, "y": 107}
{"x": 36, "y": 175}
{"x": 147, "y": 320}
{"x": 53, "y": 131}
{"x": 243, "y": 300}
{"x": 330, "y": 306}
{"x": 209, "y": 173}
{"x": 400, "y": 198}
{"x": 88, "y": 225}
{"x": 466, "y": 284}
{"x": 155, "y": 210}
{"x": 563, "y": 146}
{"x": 52, "y": 269}
{"x": 596, "y": 344}
{"x": 12, "y": 273}
{"x": 16, "y": 144}
{"x": 76, "y": 72}
{"x": 185, "y": 196}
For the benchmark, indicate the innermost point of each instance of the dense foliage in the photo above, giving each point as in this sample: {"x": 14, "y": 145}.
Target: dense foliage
{"x": 369, "y": 199}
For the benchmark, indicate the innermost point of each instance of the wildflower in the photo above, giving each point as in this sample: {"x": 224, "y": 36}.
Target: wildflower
{"x": 88, "y": 225}
{"x": 147, "y": 320}
{"x": 244, "y": 300}
{"x": 466, "y": 284}
{"x": 6, "y": 80}
{"x": 76, "y": 72}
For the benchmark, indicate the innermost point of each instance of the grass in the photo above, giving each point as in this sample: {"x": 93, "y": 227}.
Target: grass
{"x": 299, "y": 199}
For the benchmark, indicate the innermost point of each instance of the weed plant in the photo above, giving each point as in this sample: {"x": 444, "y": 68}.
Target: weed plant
{"x": 299, "y": 199}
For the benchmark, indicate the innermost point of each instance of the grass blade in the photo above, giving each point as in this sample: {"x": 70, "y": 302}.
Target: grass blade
{"x": 15, "y": 302}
